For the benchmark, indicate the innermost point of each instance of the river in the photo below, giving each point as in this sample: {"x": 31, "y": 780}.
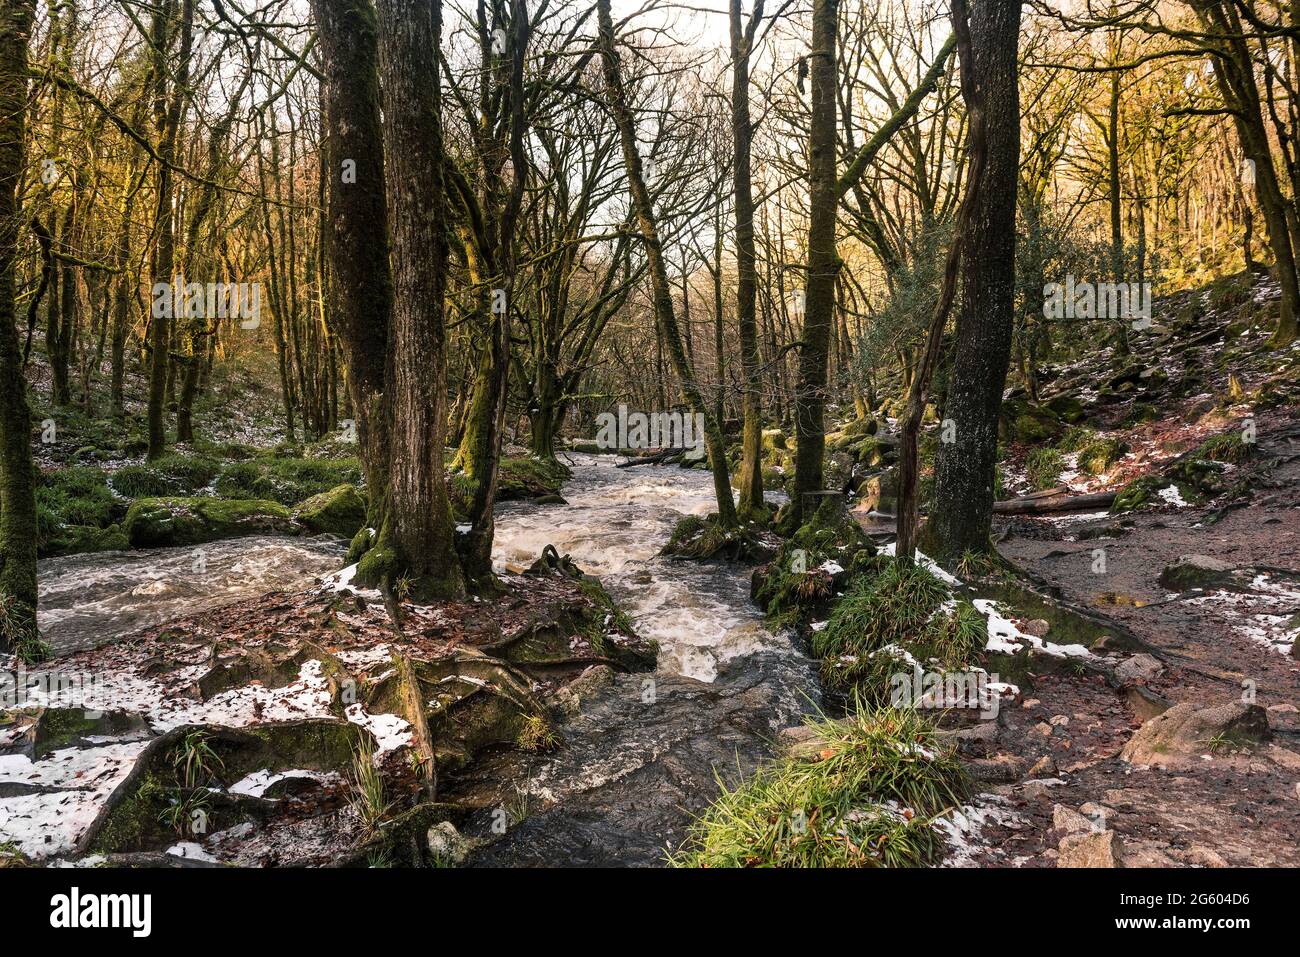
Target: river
{"x": 641, "y": 758}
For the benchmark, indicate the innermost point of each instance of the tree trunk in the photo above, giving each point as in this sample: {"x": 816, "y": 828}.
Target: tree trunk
{"x": 662, "y": 295}
{"x": 17, "y": 471}
{"x": 417, "y": 533}
{"x": 361, "y": 284}
{"x": 963, "y": 504}
{"x": 751, "y": 460}
{"x": 167, "y": 122}
{"x": 823, "y": 267}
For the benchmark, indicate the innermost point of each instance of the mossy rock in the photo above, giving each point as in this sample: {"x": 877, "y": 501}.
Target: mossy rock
{"x": 704, "y": 539}
{"x": 518, "y": 478}
{"x": 796, "y": 585}
{"x": 286, "y": 480}
{"x": 1203, "y": 477}
{"x": 155, "y": 522}
{"x": 1141, "y": 412}
{"x": 83, "y": 539}
{"x": 1022, "y": 421}
{"x": 1067, "y": 408}
{"x": 774, "y": 439}
{"x": 136, "y": 815}
{"x": 1227, "y": 447}
{"x": 1138, "y": 493}
{"x": 1100, "y": 455}
{"x": 340, "y": 511}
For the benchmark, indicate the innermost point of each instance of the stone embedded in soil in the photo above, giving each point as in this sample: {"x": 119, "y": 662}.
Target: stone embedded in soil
{"x": 1140, "y": 668}
{"x": 1196, "y": 571}
{"x": 1091, "y": 849}
{"x": 1186, "y": 731}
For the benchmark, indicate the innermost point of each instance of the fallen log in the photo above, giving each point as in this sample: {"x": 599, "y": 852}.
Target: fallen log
{"x": 1053, "y": 503}
{"x": 656, "y": 458}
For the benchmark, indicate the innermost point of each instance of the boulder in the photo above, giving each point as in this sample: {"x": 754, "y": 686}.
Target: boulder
{"x": 1091, "y": 849}
{"x": 1066, "y": 407}
{"x": 1138, "y": 669}
{"x": 1196, "y": 571}
{"x": 879, "y": 492}
{"x": 340, "y": 511}
{"x": 1186, "y": 731}
{"x": 153, "y": 522}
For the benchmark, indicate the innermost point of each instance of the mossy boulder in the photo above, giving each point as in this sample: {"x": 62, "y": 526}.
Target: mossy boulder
{"x": 154, "y": 522}
{"x": 340, "y": 511}
{"x": 819, "y": 559}
{"x": 1138, "y": 493}
{"x": 80, "y": 539}
{"x": 1023, "y": 421}
{"x": 1067, "y": 408}
{"x": 703, "y": 538}
{"x": 286, "y": 480}
{"x": 774, "y": 439}
{"x": 1100, "y": 455}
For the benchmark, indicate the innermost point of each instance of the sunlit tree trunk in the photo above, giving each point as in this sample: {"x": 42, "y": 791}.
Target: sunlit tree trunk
{"x": 662, "y": 294}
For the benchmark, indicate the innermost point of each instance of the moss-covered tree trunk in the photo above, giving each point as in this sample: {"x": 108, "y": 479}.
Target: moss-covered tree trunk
{"x": 167, "y": 117}
{"x": 416, "y": 537}
{"x": 17, "y": 472}
{"x": 823, "y": 267}
{"x": 751, "y": 460}
{"x": 661, "y": 291}
{"x": 964, "y": 471}
{"x": 1235, "y": 74}
{"x": 361, "y": 277}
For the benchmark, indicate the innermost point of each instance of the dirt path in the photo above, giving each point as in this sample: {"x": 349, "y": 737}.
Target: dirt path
{"x": 1236, "y": 807}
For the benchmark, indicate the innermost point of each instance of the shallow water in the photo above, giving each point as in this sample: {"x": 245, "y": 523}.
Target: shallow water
{"x": 613, "y": 527}
{"x": 87, "y": 600}
{"x": 643, "y": 755}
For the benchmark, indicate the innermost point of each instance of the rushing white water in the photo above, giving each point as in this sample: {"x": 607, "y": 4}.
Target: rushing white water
{"x": 86, "y": 600}
{"x": 613, "y": 527}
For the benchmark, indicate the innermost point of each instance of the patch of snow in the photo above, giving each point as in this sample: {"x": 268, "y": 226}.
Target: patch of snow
{"x": 1173, "y": 496}
{"x": 192, "y": 852}
{"x": 390, "y": 731}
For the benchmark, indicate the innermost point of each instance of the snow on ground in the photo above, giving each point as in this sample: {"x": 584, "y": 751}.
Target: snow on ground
{"x": 50, "y": 823}
{"x": 962, "y": 829}
{"x": 256, "y": 784}
{"x": 1266, "y": 614}
{"x": 1006, "y": 638}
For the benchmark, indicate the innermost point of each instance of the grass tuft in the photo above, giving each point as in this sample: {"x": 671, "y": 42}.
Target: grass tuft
{"x": 867, "y": 798}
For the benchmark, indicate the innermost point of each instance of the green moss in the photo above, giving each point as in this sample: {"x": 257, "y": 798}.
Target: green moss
{"x": 793, "y": 586}
{"x": 378, "y": 567}
{"x": 1100, "y": 455}
{"x": 286, "y": 480}
{"x": 519, "y": 478}
{"x": 340, "y": 511}
{"x": 81, "y": 539}
{"x": 866, "y": 797}
{"x": 140, "y": 481}
{"x": 152, "y": 522}
{"x": 1138, "y": 493}
{"x": 1227, "y": 447}
{"x": 1141, "y": 412}
{"x": 1066, "y": 407}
